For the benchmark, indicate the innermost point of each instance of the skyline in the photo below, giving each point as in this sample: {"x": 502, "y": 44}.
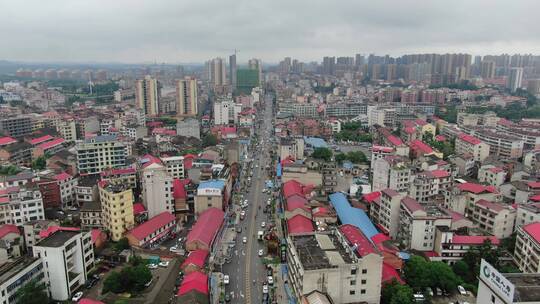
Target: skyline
{"x": 173, "y": 32}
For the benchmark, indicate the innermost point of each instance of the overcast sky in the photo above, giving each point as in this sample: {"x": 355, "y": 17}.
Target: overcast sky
{"x": 183, "y": 31}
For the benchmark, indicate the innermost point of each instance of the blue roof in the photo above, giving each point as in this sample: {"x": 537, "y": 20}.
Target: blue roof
{"x": 347, "y": 165}
{"x": 352, "y": 216}
{"x": 213, "y": 184}
{"x": 278, "y": 170}
{"x": 315, "y": 142}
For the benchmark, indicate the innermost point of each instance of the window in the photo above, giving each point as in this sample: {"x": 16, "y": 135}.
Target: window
{"x": 364, "y": 282}
{"x": 353, "y": 282}
{"x": 364, "y": 271}
{"x": 362, "y": 291}
{"x": 353, "y": 271}
{"x": 352, "y": 292}
{"x": 492, "y": 299}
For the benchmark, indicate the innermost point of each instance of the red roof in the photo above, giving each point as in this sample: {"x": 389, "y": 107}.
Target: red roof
{"x": 533, "y": 229}
{"x": 411, "y": 204}
{"x": 51, "y": 144}
{"x": 490, "y": 205}
{"x": 206, "y": 227}
{"x": 121, "y": 171}
{"x": 299, "y": 224}
{"x": 469, "y": 138}
{"x": 149, "y": 159}
{"x": 194, "y": 281}
{"x": 197, "y": 258}
{"x": 296, "y": 201}
{"x": 533, "y": 185}
{"x": 62, "y": 176}
{"x": 357, "y": 239}
{"x": 138, "y": 208}
{"x": 95, "y": 233}
{"x": 475, "y": 188}
{"x": 389, "y": 273}
{"x": 154, "y": 124}
{"x": 39, "y": 140}
{"x": 179, "y": 188}
{"x": 319, "y": 211}
{"x": 379, "y": 238}
{"x": 440, "y": 138}
{"x": 152, "y": 225}
{"x": 409, "y": 130}
{"x": 396, "y": 141}
{"x": 431, "y": 254}
{"x": 382, "y": 149}
{"x": 89, "y": 301}
{"x": 370, "y": 197}
{"x": 52, "y": 229}
{"x": 421, "y": 146}
{"x": 292, "y": 187}
{"x": 7, "y": 229}
{"x": 164, "y": 131}
{"x": 439, "y": 173}
{"x": 473, "y": 239}
{"x": 456, "y": 216}
{"x": 420, "y": 122}
{"x": 535, "y": 198}
{"x": 7, "y": 140}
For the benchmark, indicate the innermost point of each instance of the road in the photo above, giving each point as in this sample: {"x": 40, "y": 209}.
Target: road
{"x": 245, "y": 265}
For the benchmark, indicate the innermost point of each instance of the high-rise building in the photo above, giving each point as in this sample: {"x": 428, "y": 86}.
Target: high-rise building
{"x": 217, "y": 72}
{"x": 256, "y": 64}
{"x": 232, "y": 70}
{"x": 359, "y": 60}
{"x": 226, "y": 111}
{"x": 329, "y": 65}
{"x": 533, "y": 86}
{"x": 100, "y": 153}
{"x": 247, "y": 79}
{"x": 186, "y": 97}
{"x": 117, "y": 208}
{"x": 147, "y": 94}
{"x": 487, "y": 69}
{"x": 157, "y": 190}
{"x": 514, "y": 79}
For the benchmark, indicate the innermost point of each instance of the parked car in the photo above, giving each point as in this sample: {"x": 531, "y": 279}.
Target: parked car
{"x": 462, "y": 290}
{"x": 261, "y": 252}
{"x": 418, "y": 297}
{"x": 265, "y": 288}
{"x": 244, "y": 240}
{"x": 270, "y": 280}
{"x": 226, "y": 279}
{"x": 263, "y": 224}
{"x": 152, "y": 266}
{"x": 77, "y": 296}
{"x": 164, "y": 264}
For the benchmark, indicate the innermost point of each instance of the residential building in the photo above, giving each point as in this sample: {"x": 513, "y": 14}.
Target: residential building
{"x": 11, "y": 243}
{"x": 32, "y": 230}
{"x": 491, "y": 175}
{"x": 186, "y": 97}
{"x": 18, "y": 154}
{"x": 497, "y": 219}
{"x": 126, "y": 176}
{"x": 256, "y": 64}
{"x": 467, "y": 144}
{"x": 188, "y": 127}
{"x": 68, "y": 257}
{"x": 154, "y": 230}
{"x": 100, "y": 153}
{"x": 174, "y": 165}
{"x": 17, "y": 274}
{"x": 343, "y": 263}
{"x": 67, "y": 185}
{"x": 527, "y": 249}
{"x": 217, "y": 72}
{"x": 451, "y": 247}
{"x": 86, "y": 190}
{"x": 527, "y": 213}
{"x": 117, "y": 208}
{"x": 16, "y": 126}
{"x": 232, "y": 70}
{"x": 246, "y": 80}
{"x": 291, "y": 147}
{"x": 205, "y": 230}
{"x": 462, "y": 194}
{"x": 20, "y": 205}
{"x": 226, "y": 112}
{"x": 91, "y": 215}
{"x": 514, "y": 79}
{"x": 426, "y": 185}
{"x": 157, "y": 189}
{"x": 210, "y": 194}
{"x": 387, "y": 216}
{"x": 147, "y": 95}
{"x": 392, "y": 172}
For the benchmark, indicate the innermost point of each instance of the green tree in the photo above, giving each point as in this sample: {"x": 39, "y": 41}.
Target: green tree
{"x": 322, "y": 153}
{"x": 32, "y": 292}
{"x": 112, "y": 283}
{"x": 39, "y": 163}
{"x": 357, "y": 157}
{"x": 141, "y": 276}
{"x": 340, "y": 157}
{"x": 461, "y": 269}
{"x": 396, "y": 293}
{"x": 509, "y": 243}
{"x": 417, "y": 273}
{"x": 441, "y": 275}
{"x": 351, "y": 126}
{"x": 122, "y": 244}
{"x": 209, "y": 140}
{"x": 474, "y": 255}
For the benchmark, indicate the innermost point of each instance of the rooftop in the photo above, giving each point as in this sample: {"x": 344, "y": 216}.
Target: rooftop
{"x": 57, "y": 239}
{"x": 9, "y": 270}
{"x": 527, "y": 286}
{"x": 320, "y": 250}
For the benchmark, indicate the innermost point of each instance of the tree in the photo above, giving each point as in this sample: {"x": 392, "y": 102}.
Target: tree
{"x": 39, "y": 163}
{"x": 32, "y": 292}
{"x": 474, "y": 255}
{"x": 461, "y": 269}
{"x": 441, "y": 275}
{"x": 396, "y": 293}
{"x": 122, "y": 244}
{"x": 351, "y": 126}
{"x": 417, "y": 273}
{"x": 340, "y": 157}
{"x": 112, "y": 283}
{"x": 131, "y": 279}
{"x": 357, "y": 157}
{"x": 209, "y": 140}
{"x": 322, "y": 153}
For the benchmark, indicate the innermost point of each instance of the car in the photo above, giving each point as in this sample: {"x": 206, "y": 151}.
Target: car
{"x": 270, "y": 280}
{"x": 438, "y": 291}
{"x": 263, "y": 224}
{"x": 174, "y": 249}
{"x": 180, "y": 240}
{"x": 261, "y": 252}
{"x": 77, "y": 296}
{"x": 418, "y": 297}
{"x": 244, "y": 240}
{"x": 164, "y": 264}
{"x": 239, "y": 229}
{"x": 462, "y": 290}
{"x": 226, "y": 279}
{"x": 429, "y": 291}
{"x": 265, "y": 288}
{"x": 149, "y": 282}
{"x": 152, "y": 266}
{"x": 227, "y": 298}
{"x": 73, "y": 209}
{"x": 243, "y": 213}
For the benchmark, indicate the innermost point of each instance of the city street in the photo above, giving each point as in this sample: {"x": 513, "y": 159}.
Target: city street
{"x": 246, "y": 270}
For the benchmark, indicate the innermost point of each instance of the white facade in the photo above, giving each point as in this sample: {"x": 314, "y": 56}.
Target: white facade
{"x": 16, "y": 274}
{"x": 21, "y": 206}
{"x": 67, "y": 191}
{"x": 68, "y": 256}
{"x": 100, "y": 153}
{"x": 157, "y": 190}
{"x": 226, "y": 111}
{"x": 174, "y": 165}
{"x": 388, "y": 216}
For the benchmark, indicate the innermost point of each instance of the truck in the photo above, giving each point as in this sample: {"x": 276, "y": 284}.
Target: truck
{"x": 260, "y": 235}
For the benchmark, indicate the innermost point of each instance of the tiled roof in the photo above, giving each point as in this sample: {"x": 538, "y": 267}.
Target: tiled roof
{"x": 7, "y": 228}
{"x": 389, "y": 273}
{"x": 296, "y": 201}
{"x": 473, "y": 239}
{"x": 490, "y": 205}
{"x": 421, "y": 146}
{"x": 52, "y": 229}
{"x": 358, "y": 240}
{"x": 350, "y": 215}
{"x": 62, "y": 176}
{"x": 299, "y": 224}
{"x": 39, "y": 140}
{"x": 533, "y": 185}
{"x": 51, "y": 144}
{"x": 469, "y": 138}
{"x": 475, "y": 188}
{"x": 194, "y": 281}
{"x": 206, "y": 227}
{"x": 120, "y": 171}
{"x": 370, "y": 197}
{"x": 138, "y": 208}
{"x": 152, "y": 225}
{"x": 411, "y": 204}
{"x": 533, "y": 230}
{"x": 7, "y": 141}
{"x": 179, "y": 188}
{"x": 197, "y": 258}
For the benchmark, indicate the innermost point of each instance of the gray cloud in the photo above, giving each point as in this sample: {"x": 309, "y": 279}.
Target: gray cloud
{"x": 193, "y": 31}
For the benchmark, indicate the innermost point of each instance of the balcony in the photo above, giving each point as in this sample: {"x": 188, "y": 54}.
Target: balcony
{"x": 72, "y": 276}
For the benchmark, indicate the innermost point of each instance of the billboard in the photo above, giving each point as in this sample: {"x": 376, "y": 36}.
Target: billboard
{"x": 496, "y": 281}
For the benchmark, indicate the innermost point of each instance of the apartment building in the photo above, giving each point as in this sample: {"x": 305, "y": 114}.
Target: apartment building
{"x": 117, "y": 208}
{"x": 68, "y": 257}
{"x": 18, "y": 126}
{"x": 349, "y": 269}
{"x": 426, "y": 185}
{"x": 527, "y": 252}
{"x": 157, "y": 189}
{"x": 126, "y": 176}
{"x": 18, "y": 153}
{"x": 491, "y": 175}
{"x": 418, "y": 223}
{"x": 67, "y": 184}
{"x": 174, "y": 165}
{"x": 392, "y": 172}
{"x": 528, "y": 131}
{"x": 451, "y": 247}
{"x": 527, "y": 214}
{"x": 291, "y": 147}
{"x": 91, "y": 215}
{"x": 18, "y": 273}
{"x": 86, "y": 190}
{"x": 500, "y": 144}
{"x": 387, "y": 215}
{"x": 210, "y": 194}
{"x": 497, "y": 219}
{"x": 186, "y": 97}
{"x": 147, "y": 95}
{"x": 20, "y": 205}
{"x": 467, "y": 144}
{"x": 100, "y": 153}
{"x": 461, "y": 195}
{"x": 488, "y": 119}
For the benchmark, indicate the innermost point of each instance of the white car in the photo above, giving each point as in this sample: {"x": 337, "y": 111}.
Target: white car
{"x": 270, "y": 280}
{"x": 152, "y": 266}
{"x": 263, "y": 224}
{"x": 72, "y": 209}
{"x": 462, "y": 290}
{"x": 265, "y": 288}
{"x": 226, "y": 279}
{"x": 164, "y": 264}
{"x": 244, "y": 240}
{"x": 243, "y": 213}
{"x": 261, "y": 252}
{"x": 77, "y": 296}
